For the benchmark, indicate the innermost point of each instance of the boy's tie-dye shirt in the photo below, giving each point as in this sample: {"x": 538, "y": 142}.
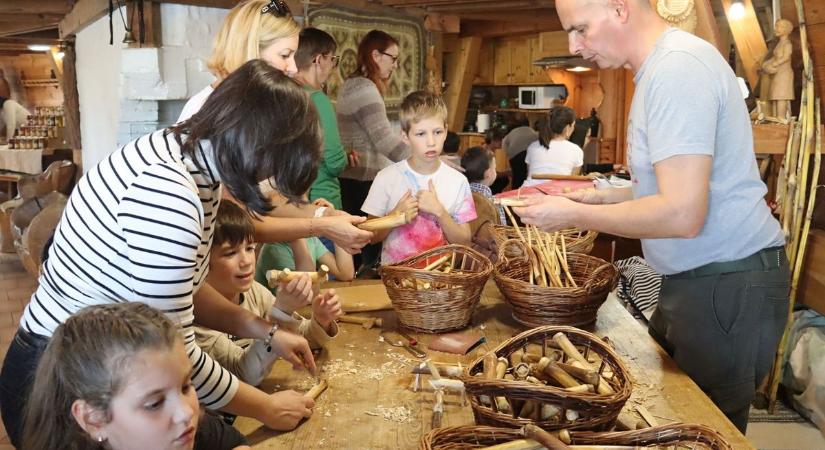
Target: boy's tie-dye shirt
{"x": 424, "y": 232}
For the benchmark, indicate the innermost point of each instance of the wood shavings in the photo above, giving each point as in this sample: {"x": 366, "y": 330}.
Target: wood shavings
{"x": 339, "y": 367}
{"x": 398, "y": 414}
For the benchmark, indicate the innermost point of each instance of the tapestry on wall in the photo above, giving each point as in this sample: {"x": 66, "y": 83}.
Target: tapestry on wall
{"x": 348, "y": 26}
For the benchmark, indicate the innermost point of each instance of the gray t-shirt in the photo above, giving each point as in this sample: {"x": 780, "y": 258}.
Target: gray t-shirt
{"x": 518, "y": 139}
{"x": 687, "y": 102}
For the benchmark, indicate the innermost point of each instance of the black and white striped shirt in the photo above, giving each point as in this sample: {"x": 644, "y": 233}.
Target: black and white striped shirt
{"x": 137, "y": 227}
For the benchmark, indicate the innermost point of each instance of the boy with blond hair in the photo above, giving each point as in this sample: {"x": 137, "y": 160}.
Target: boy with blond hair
{"x": 439, "y": 194}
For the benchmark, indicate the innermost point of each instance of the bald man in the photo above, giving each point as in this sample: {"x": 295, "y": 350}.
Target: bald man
{"x": 696, "y": 201}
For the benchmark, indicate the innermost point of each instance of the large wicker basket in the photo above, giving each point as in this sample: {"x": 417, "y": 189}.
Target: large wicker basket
{"x": 448, "y": 300}
{"x": 576, "y": 241}
{"x": 535, "y": 305}
{"x": 691, "y": 436}
{"x": 595, "y": 411}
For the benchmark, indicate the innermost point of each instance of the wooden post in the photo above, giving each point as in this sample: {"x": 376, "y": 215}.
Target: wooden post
{"x": 460, "y": 77}
{"x": 750, "y": 42}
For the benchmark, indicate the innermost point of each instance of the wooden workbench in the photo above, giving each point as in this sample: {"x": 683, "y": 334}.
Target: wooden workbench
{"x": 369, "y": 377}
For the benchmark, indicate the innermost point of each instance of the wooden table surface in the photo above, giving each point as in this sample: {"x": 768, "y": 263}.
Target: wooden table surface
{"x": 370, "y": 404}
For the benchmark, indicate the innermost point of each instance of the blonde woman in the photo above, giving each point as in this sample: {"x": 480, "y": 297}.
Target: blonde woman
{"x": 255, "y": 29}
{"x": 262, "y": 29}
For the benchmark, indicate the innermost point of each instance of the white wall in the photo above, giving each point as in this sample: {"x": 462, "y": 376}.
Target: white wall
{"x": 98, "y": 88}
{"x": 125, "y": 93}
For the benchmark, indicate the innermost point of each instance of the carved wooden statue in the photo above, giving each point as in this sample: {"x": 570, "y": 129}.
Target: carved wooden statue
{"x": 779, "y": 67}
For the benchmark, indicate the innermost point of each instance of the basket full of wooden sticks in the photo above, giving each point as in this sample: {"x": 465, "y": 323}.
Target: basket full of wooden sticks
{"x": 546, "y": 285}
{"x": 438, "y": 290}
{"x": 677, "y": 435}
{"x": 554, "y": 377}
{"x": 575, "y": 241}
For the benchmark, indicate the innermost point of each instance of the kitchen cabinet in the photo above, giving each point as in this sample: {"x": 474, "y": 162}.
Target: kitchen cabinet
{"x": 514, "y": 62}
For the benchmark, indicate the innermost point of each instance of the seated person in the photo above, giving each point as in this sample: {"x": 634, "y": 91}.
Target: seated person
{"x": 450, "y": 153}
{"x": 421, "y": 183}
{"x": 305, "y": 255}
{"x": 480, "y": 169}
{"x": 493, "y": 139}
{"x": 231, "y": 271}
{"x": 12, "y": 116}
{"x": 515, "y": 145}
{"x": 553, "y": 153}
{"x": 117, "y": 377}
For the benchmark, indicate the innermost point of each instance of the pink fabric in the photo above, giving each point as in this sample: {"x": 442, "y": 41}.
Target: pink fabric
{"x": 550, "y": 187}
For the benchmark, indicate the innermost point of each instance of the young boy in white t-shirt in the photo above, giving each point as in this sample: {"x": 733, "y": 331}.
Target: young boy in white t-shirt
{"x": 231, "y": 272}
{"x": 440, "y": 194}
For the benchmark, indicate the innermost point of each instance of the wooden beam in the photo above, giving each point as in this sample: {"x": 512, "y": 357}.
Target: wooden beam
{"x": 70, "y": 99}
{"x": 442, "y": 23}
{"x": 83, "y": 13}
{"x": 537, "y": 15}
{"x": 460, "y": 77}
{"x": 22, "y": 27}
{"x": 707, "y": 27}
{"x": 35, "y": 7}
{"x": 750, "y": 42}
{"x": 484, "y": 6}
{"x": 488, "y": 29}
{"x": 32, "y": 17}
{"x": 151, "y": 24}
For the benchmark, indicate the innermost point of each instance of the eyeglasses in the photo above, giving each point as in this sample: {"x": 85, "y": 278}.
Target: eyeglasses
{"x": 278, "y": 8}
{"x": 394, "y": 58}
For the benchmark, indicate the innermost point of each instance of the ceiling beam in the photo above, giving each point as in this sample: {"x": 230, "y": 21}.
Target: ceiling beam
{"x": 483, "y": 6}
{"x": 83, "y": 13}
{"x": 35, "y": 7}
{"x": 487, "y": 29}
{"x": 22, "y": 27}
{"x": 521, "y": 16}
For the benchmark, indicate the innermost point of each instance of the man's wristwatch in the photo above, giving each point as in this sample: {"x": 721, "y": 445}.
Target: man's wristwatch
{"x": 271, "y": 333}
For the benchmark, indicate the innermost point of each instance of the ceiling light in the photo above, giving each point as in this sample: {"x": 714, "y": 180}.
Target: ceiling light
{"x": 39, "y": 47}
{"x": 736, "y": 11}
{"x": 578, "y": 69}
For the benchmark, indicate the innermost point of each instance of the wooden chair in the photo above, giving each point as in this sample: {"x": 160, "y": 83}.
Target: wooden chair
{"x": 32, "y": 224}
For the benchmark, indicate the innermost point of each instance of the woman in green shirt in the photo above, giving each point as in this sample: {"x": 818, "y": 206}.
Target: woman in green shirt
{"x": 316, "y": 59}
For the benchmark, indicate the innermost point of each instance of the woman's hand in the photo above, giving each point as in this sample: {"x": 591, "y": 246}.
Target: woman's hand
{"x": 341, "y": 229}
{"x": 428, "y": 201}
{"x": 294, "y": 294}
{"x": 353, "y": 158}
{"x": 293, "y": 349}
{"x": 287, "y": 409}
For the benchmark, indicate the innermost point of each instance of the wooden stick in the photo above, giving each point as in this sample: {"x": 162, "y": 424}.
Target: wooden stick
{"x": 275, "y": 276}
{"x": 449, "y": 370}
{"x": 387, "y": 222}
{"x": 647, "y": 416}
{"x": 546, "y": 439}
{"x": 438, "y": 408}
{"x": 501, "y": 402}
{"x": 366, "y": 322}
{"x": 586, "y": 375}
{"x": 317, "y": 389}
{"x": 437, "y": 263}
{"x": 581, "y": 389}
{"x": 518, "y": 444}
{"x": 512, "y": 202}
{"x": 433, "y": 369}
{"x": 560, "y": 338}
{"x": 550, "y": 368}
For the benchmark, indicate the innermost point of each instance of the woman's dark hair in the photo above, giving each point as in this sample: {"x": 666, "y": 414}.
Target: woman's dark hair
{"x": 311, "y": 43}
{"x": 558, "y": 118}
{"x": 374, "y": 40}
{"x": 88, "y": 358}
{"x": 232, "y": 225}
{"x": 476, "y": 161}
{"x": 262, "y": 126}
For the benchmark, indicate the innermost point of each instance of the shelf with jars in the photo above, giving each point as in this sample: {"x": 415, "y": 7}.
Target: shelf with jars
{"x": 43, "y": 130}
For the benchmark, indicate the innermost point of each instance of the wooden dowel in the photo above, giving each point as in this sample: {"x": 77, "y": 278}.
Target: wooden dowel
{"x": 316, "y": 390}
{"x": 546, "y": 439}
{"x": 436, "y": 263}
{"x": 386, "y": 222}
{"x": 603, "y": 387}
{"x": 275, "y": 276}
{"x": 366, "y": 322}
{"x": 586, "y": 375}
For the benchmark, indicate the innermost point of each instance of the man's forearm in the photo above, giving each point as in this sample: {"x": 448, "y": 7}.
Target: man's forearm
{"x": 649, "y": 217}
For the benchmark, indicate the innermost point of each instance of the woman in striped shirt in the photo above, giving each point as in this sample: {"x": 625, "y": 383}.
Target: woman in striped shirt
{"x": 138, "y": 227}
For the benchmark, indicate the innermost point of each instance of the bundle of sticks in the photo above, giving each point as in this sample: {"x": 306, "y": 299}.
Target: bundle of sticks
{"x": 547, "y": 254}
{"x": 576, "y": 373}
{"x": 443, "y": 264}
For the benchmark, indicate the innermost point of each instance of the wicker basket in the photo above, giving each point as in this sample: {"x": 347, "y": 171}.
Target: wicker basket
{"x": 595, "y": 411}
{"x": 449, "y": 302}
{"x": 575, "y": 241}
{"x": 691, "y": 436}
{"x": 535, "y": 305}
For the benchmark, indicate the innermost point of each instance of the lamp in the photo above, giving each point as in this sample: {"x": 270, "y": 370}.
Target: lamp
{"x": 736, "y": 10}
{"x": 39, "y": 47}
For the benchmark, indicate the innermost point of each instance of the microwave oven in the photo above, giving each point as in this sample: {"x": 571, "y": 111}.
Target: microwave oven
{"x": 541, "y": 97}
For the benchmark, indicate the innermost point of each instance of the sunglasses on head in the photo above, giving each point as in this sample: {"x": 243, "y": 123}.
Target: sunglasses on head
{"x": 278, "y": 8}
